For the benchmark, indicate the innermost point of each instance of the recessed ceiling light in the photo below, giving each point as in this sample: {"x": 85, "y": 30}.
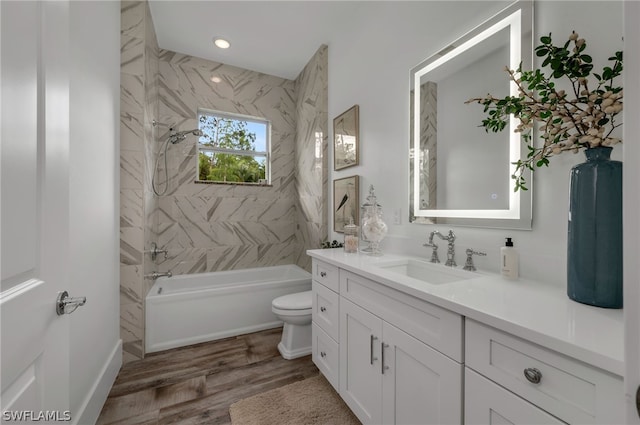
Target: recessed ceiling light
{"x": 215, "y": 79}
{"x": 221, "y": 43}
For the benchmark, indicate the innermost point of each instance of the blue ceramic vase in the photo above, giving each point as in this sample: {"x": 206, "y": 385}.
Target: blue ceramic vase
{"x": 594, "y": 251}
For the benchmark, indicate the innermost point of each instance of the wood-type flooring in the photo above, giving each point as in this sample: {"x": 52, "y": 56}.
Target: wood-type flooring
{"x": 197, "y": 384}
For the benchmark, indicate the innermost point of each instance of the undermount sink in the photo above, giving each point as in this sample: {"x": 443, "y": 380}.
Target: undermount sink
{"x": 425, "y": 271}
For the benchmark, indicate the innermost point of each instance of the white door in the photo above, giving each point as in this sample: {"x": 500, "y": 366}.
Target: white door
{"x": 631, "y": 181}
{"x": 360, "y": 378}
{"x": 34, "y": 210}
{"x": 419, "y": 384}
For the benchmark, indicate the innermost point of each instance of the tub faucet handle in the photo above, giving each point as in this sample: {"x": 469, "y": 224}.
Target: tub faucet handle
{"x": 155, "y": 251}
{"x": 154, "y": 275}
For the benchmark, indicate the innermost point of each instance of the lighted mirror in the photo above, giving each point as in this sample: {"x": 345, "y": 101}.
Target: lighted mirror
{"x": 460, "y": 174}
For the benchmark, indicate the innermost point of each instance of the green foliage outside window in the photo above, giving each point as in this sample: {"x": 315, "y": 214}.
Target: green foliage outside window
{"x": 230, "y": 135}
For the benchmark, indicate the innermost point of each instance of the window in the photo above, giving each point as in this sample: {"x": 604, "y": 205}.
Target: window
{"x": 233, "y": 148}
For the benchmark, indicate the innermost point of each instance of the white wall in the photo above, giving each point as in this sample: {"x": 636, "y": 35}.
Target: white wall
{"x": 370, "y": 67}
{"x": 94, "y": 181}
{"x": 631, "y": 181}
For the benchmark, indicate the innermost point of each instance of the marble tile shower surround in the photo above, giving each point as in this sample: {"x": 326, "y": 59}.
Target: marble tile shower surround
{"x": 211, "y": 227}
{"x": 311, "y": 153}
{"x": 139, "y": 107}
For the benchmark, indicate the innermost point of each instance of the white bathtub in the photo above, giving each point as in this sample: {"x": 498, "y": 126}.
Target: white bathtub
{"x": 187, "y": 309}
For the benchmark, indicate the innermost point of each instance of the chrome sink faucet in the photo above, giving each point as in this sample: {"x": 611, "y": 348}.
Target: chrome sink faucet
{"x": 434, "y": 253}
{"x": 451, "y": 251}
{"x": 469, "y": 263}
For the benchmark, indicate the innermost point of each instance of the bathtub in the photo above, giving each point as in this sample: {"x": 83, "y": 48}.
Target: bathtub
{"x": 187, "y": 309}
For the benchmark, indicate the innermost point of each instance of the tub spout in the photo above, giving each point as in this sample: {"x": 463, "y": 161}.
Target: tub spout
{"x": 155, "y": 275}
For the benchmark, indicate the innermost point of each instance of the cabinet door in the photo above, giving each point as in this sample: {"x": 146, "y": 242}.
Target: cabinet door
{"x": 489, "y": 403}
{"x": 360, "y": 377}
{"x": 420, "y": 385}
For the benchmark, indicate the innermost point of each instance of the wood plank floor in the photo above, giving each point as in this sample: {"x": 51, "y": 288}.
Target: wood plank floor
{"x": 197, "y": 384}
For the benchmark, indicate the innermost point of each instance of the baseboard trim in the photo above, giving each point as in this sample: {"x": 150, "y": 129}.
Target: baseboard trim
{"x": 92, "y": 405}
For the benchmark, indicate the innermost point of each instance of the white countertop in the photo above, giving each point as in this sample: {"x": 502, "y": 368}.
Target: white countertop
{"x": 531, "y": 310}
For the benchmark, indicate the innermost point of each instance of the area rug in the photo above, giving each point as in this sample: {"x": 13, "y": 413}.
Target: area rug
{"x": 312, "y": 401}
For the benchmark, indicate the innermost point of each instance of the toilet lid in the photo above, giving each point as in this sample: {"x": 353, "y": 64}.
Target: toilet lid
{"x": 298, "y": 301}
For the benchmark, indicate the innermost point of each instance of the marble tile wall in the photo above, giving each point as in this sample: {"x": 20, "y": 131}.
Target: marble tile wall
{"x": 211, "y": 227}
{"x": 139, "y": 100}
{"x": 311, "y": 154}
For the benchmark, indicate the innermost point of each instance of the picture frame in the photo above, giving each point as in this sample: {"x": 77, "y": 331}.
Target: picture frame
{"x": 346, "y": 135}
{"x": 346, "y": 202}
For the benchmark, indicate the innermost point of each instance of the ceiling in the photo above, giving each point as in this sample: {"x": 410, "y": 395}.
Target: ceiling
{"x": 273, "y": 37}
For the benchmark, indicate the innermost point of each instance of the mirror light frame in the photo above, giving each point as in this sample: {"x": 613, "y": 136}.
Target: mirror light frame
{"x": 516, "y": 17}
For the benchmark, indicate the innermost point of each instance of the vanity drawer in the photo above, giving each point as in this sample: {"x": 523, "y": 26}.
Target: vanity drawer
{"x": 326, "y": 355}
{"x": 325, "y": 311}
{"x": 435, "y": 326}
{"x": 486, "y": 402}
{"x": 326, "y": 274}
{"x": 567, "y": 388}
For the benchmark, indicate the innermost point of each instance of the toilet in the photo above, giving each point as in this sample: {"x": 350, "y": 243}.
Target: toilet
{"x": 295, "y": 311}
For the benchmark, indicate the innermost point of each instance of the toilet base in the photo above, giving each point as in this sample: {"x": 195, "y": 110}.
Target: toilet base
{"x": 296, "y": 341}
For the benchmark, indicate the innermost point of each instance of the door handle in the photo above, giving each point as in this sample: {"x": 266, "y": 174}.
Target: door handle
{"x": 67, "y": 305}
{"x": 638, "y": 401}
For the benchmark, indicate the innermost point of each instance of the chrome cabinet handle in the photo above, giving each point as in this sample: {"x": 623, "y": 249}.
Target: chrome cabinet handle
{"x": 383, "y": 367}
{"x": 373, "y": 338}
{"x": 323, "y": 274}
{"x": 533, "y": 375}
{"x": 323, "y": 309}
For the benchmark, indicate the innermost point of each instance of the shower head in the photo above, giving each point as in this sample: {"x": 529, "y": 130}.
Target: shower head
{"x": 179, "y": 136}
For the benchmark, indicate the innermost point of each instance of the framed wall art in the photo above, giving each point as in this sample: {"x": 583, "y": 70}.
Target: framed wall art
{"x": 345, "y": 139}
{"x": 345, "y": 202}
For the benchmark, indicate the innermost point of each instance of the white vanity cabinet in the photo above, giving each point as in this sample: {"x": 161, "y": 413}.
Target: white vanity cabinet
{"x": 552, "y": 383}
{"x": 387, "y": 375}
{"x": 396, "y": 357}
{"x": 325, "y": 351}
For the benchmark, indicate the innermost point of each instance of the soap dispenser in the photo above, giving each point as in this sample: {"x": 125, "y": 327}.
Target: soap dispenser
{"x": 509, "y": 265}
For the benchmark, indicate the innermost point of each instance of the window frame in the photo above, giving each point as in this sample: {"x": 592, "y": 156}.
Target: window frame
{"x": 237, "y": 117}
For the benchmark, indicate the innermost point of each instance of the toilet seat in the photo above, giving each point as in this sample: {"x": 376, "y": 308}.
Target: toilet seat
{"x": 293, "y": 304}
{"x": 291, "y": 313}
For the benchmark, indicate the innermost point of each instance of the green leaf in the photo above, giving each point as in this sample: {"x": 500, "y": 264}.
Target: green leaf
{"x": 541, "y": 52}
{"x": 586, "y": 58}
{"x": 546, "y": 40}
